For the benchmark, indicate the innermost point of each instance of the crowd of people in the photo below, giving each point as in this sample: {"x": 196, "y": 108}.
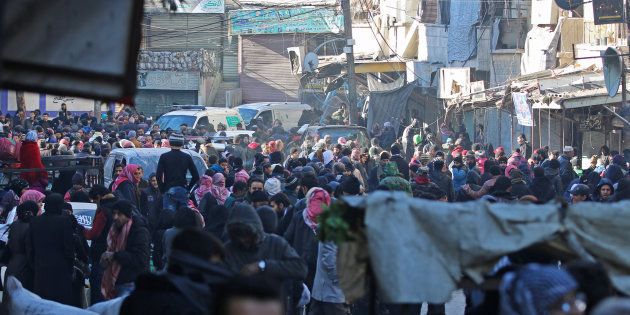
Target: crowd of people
{"x": 244, "y": 232}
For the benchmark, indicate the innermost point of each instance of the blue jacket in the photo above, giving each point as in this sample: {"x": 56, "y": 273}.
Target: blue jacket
{"x": 326, "y": 285}
{"x": 459, "y": 177}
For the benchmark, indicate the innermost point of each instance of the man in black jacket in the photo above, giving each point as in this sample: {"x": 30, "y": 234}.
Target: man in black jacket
{"x": 125, "y": 261}
{"x": 266, "y": 258}
{"x": 403, "y": 165}
{"x": 194, "y": 273}
{"x": 171, "y": 174}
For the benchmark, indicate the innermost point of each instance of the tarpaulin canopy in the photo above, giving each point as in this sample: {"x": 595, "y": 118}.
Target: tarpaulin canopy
{"x": 420, "y": 250}
{"x": 389, "y": 106}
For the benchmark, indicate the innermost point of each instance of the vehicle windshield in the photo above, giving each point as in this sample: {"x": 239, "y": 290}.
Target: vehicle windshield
{"x": 174, "y": 121}
{"x": 248, "y": 114}
{"x": 149, "y": 166}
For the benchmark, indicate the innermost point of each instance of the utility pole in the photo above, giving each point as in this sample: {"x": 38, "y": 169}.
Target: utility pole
{"x": 348, "y": 49}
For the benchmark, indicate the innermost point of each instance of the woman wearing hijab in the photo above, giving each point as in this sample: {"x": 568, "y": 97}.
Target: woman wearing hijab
{"x": 19, "y": 265}
{"x": 30, "y": 158}
{"x": 53, "y": 252}
{"x": 126, "y": 184}
{"x": 205, "y": 186}
{"x": 218, "y": 189}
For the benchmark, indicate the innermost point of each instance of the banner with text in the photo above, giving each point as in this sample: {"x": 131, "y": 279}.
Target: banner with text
{"x": 290, "y": 20}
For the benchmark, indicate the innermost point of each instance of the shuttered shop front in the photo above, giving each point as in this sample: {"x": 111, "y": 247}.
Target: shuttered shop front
{"x": 265, "y": 71}
{"x": 184, "y": 31}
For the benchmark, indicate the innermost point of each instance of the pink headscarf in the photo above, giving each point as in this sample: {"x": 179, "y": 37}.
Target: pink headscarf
{"x": 218, "y": 189}
{"x": 316, "y": 198}
{"x": 509, "y": 168}
{"x": 126, "y": 174}
{"x": 205, "y": 186}
{"x": 241, "y": 176}
{"x": 32, "y": 195}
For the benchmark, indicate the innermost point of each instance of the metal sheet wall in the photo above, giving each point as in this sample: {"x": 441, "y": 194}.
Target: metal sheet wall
{"x": 183, "y": 31}
{"x": 156, "y": 102}
{"x": 265, "y": 70}
{"x": 230, "y": 59}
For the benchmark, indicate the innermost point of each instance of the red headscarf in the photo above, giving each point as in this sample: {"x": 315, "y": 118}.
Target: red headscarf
{"x": 316, "y": 198}
{"x": 126, "y": 174}
{"x": 218, "y": 189}
{"x": 116, "y": 242}
{"x": 30, "y": 158}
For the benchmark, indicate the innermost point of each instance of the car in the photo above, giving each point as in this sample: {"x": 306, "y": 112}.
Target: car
{"x": 289, "y": 113}
{"x": 147, "y": 158}
{"x": 354, "y": 133}
{"x": 199, "y": 116}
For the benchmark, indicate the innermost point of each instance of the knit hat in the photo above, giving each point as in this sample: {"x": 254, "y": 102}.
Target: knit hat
{"x": 77, "y": 179}
{"x": 579, "y": 190}
{"x": 533, "y": 289}
{"x": 123, "y": 206}
{"x": 390, "y": 169}
{"x": 176, "y": 139}
{"x": 259, "y": 196}
{"x": 132, "y": 134}
{"x": 291, "y": 182}
{"x": 273, "y": 186}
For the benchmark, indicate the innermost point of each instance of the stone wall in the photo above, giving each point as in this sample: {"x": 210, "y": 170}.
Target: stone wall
{"x": 201, "y": 60}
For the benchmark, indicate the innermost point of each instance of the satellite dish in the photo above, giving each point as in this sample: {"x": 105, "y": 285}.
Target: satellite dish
{"x": 311, "y": 62}
{"x": 569, "y": 4}
{"x": 613, "y": 69}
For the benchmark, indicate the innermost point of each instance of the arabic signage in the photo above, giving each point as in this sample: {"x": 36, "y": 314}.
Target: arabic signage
{"x": 523, "y": 112}
{"x": 232, "y": 121}
{"x": 53, "y": 103}
{"x": 201, "y": 6}
{"x": 607, "y": 11}
{"x": 289, "y": 20}
{"x": 168, "y": 80}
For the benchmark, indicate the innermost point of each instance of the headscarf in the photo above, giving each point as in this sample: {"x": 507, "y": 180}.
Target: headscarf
{"x": 116, "y": 242}
{"x": 165, "y": 143}
{"x": 316, "y": 198}
{"x": 417, "y": 139}
{"x": 533, "y": 289}
{"x": 328, "y": 156}
{"x": 126, "y": 144}
{"x": 31, "y": 136}
{"x": 32, "y": 195}
{"x": 218, "y": 189}
{"x": 241, "y": 176}
{"x": 356, "y": 155}
{"x": 205, "y": 186}
{"x": 126, "y": 174}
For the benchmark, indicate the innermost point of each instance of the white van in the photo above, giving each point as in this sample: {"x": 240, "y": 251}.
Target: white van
{"x": 195, "y": 116}
{"x": 289, "y": 113}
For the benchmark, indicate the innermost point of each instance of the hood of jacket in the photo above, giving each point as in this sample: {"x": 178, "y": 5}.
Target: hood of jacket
{"x": 602, "y": 182}
{"x": 245, "y": 214}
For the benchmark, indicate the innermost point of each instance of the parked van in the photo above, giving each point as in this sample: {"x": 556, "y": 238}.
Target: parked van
{"x": 196, "y": 116}
{"x": 289, "y": 113}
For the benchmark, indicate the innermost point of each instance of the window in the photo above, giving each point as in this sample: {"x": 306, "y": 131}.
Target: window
{"x": 266, "y": 117}
{"x": 202, "y": 122}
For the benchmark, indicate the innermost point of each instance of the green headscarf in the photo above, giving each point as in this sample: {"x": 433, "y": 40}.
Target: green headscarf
{"x": 417, "y": 139}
